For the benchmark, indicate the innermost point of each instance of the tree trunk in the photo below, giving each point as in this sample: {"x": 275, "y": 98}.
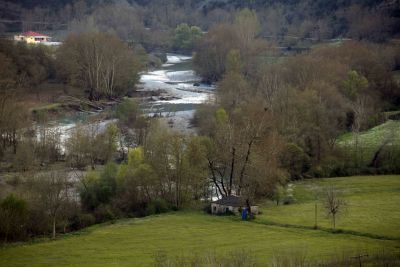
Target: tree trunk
{"x": 244, "y": 166}
{"x": 14, "y": 142}
{"x": 232, "y": 171}
{"x": 316, "y": 222}
{"x": 54, "y": 227}
{"x": 334, "y": 222}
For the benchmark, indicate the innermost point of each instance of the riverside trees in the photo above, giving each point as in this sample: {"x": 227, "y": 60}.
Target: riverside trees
{"x": 311, "y": 98}
{"x": 212, "y": 51}
{"x": 100, "y": 63}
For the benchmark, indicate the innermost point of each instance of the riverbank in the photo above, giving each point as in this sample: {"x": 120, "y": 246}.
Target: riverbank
{"x": 171, "y": 93}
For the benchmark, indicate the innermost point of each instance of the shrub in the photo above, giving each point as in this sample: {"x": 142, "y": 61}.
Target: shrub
{"x": 157, "y": 206}
{"x": 207, "y": 208}
{"x": 79, "y": 221}
{"x": 13, "y": 211}
{"x": 296, "y": 161}
{"x": 104, "y": 213}
{"x": 289, "y": 199}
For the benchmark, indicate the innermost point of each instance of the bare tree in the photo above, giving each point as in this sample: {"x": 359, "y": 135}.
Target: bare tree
{"x": 51, "y": 190}
{"x": 333, "y": 203}
{"x": 100, "y": 63}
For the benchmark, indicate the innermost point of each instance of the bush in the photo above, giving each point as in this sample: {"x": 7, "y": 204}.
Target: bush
{"x": 104, "y": 213}
{"x": 157, "y": 206}
{"x": 296, "y": 161}
{"x": 207, "y": 208}
{"x": 13, "y": 214}
{"x": 79, "y": 221}
{"x": 289, "y": 199}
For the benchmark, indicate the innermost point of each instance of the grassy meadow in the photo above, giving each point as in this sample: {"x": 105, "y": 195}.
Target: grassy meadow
{"x": 371, "y": 140}
{"x": 371, "y": 206}
{"x": 371, "y": 222}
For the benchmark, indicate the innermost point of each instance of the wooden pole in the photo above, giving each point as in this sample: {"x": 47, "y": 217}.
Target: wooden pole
{"x": 359, "y": 258}
{"x": 316, "y": 210}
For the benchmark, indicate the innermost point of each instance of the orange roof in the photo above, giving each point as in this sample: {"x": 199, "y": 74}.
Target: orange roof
{"x": 34, "y": 34}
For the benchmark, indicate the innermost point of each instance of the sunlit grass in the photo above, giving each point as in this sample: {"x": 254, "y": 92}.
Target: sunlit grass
{"x": 372, "y": 205}
{"x": 371, "y": 140}
{"x": 132, "y": 242}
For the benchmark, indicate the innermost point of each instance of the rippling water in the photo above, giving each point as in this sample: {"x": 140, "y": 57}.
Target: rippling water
{"x": 182, "y": 93}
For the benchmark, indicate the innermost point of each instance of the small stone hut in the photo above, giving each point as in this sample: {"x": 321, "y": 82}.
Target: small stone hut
{"x": 231, "y": 204}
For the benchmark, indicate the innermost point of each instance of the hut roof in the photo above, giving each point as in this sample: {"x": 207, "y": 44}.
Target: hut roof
{"x": 233, "y": 201}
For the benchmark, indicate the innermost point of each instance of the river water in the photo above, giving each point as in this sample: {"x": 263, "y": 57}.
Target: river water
{"x": 177, "y": 93}
{"x": 181, "y": 91}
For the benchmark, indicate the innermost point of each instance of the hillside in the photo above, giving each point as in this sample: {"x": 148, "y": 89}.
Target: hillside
{"x": 371, "y": 223}
{"x": 294, "y": 19}
{"x": 382, "y": 137}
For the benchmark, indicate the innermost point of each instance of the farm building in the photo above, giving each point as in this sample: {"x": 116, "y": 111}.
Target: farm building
{"x": 34, "y": 38}
{"x": 231, "y": 204}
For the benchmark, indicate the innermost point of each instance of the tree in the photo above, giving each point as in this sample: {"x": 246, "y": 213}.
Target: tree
{"x": 355, "y": 86}
{"x": 234, "y": 87}
{"x": 212, "y": 50}
{"x": 137, "y": 183}
{"x": 24, "y": 159}
{"x": 91, "y": 145}
{"x": 334, "y": 204}
{"x": 13, "y": 114}
{"x": 99, "y": 63}
{"x": 51, "y": 192}
{"x": 13, "y": 212}
{"x": 186, "y": 36}
{"x": 179, "y": 164}
{"x": 247, "y": 27}
{"x": 243, "y": 151}
{"x": 132, "y": 123}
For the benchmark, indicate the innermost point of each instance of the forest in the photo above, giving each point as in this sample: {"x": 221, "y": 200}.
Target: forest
{"x": 296, "y": 91}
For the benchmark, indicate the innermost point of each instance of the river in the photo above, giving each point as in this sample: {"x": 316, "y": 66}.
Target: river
{"x": 177, "y": 93}
{"x": 181, "y": 91}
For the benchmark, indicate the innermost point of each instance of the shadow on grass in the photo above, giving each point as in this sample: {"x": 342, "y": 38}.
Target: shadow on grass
{"x": 59, "y": 236}
{"x": 327, "y": 230}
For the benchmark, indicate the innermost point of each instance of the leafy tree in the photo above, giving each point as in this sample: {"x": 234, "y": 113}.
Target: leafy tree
{"x": 355, "y": 84}
{"x": 13, "y": 213}
{"x": 186, "y": 36}
{"x": 132, "y": 123}
{"x": 295, "y": 161}
{"x": 212, "y": 50}
{"x": 99, "y": 188}
{"x": 88, "y": 191}
{"x": 107, "y": 183}
{"x": 247, "y": 26}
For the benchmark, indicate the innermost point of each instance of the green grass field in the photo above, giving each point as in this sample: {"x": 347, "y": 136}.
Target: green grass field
{"x": 372, "y": 139}
{"x": 373, "y": 208}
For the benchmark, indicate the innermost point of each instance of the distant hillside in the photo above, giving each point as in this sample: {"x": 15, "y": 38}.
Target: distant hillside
{"x": 375, "y": 20}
